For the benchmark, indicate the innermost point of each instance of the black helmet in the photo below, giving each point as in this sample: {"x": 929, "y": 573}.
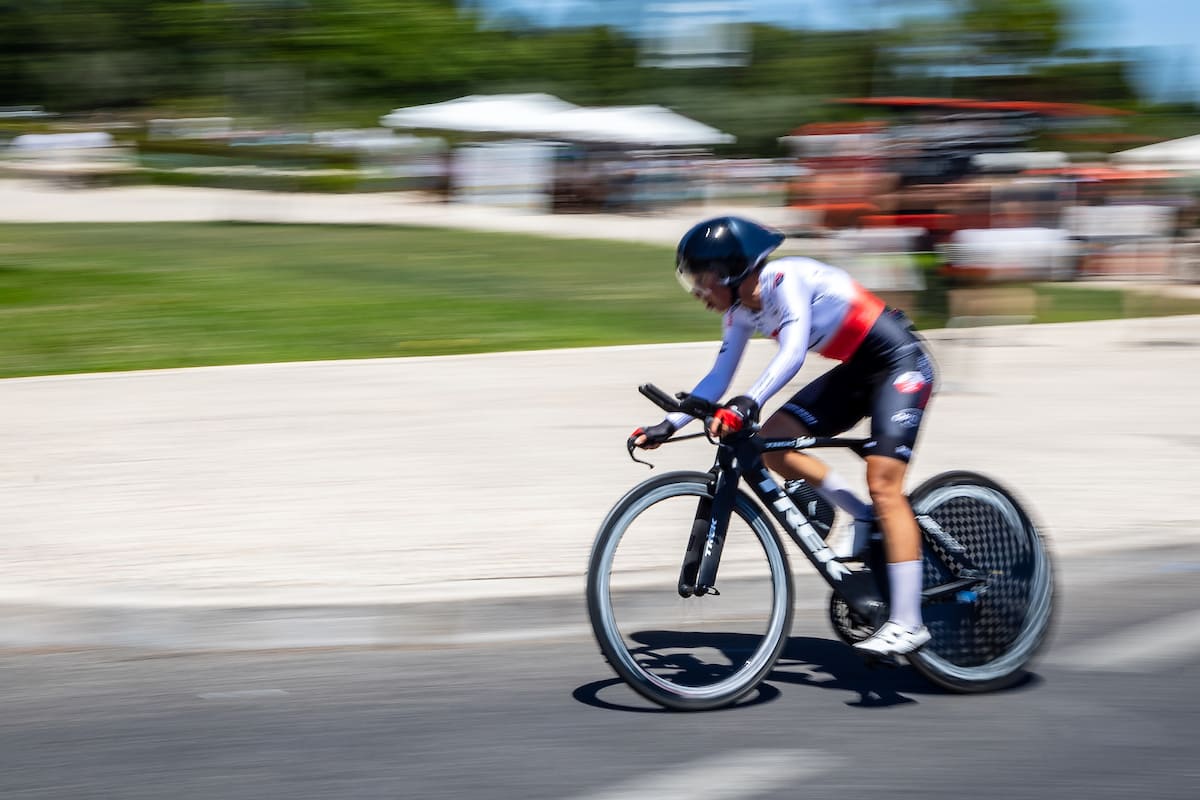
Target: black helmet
{"x": 729, "y": 246}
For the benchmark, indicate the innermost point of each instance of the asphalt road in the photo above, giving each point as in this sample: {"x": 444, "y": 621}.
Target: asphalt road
{"x": 1109, "y": 711}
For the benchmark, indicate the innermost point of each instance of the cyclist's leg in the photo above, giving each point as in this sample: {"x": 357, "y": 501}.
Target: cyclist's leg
{"x": 829, "y": 405}
{"x": 885, "y": 482}
{"x": 899, "y": 409}
{"x": 905, "y": 629}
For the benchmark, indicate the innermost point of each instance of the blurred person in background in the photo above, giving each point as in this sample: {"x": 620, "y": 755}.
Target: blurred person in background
{"x": 886, "y": 374}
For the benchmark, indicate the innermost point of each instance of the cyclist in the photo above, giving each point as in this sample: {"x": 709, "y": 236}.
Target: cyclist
{"x": 886, "y": 374}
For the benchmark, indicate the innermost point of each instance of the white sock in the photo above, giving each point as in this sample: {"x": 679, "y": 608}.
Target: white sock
{"x": 836, "y": 491}
{"x": 905, "y": 578}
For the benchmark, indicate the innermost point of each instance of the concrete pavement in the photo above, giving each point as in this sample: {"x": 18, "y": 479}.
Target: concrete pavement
{"x": 34, "y": 201}
{"x": 366, "y": 502}
{"x": 422, "y": 500}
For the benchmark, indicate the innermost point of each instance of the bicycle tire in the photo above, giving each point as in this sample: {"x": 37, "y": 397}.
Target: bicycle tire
{"x": 678, "y": 679}
{"x": 984, "y": 641}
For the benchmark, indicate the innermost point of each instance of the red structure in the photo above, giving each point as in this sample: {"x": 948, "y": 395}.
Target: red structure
{"x": 918, "y": 169}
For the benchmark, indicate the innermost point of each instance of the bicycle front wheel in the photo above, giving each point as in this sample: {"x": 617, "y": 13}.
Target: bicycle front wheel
{"x": 687, "y": 653}
{"x": 983, "y": 639}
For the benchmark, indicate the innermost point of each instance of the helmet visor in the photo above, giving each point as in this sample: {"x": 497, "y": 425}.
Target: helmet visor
{"x": 690, "y": 281}
{"x": 725, "y": 270}
{"x": 700, "y": 282}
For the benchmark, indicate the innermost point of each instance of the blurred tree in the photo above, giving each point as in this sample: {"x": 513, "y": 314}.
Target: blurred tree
{"x": 996, "y": 49}
{"x": 1012, "y": 29}
{"x": 352, "y": 60}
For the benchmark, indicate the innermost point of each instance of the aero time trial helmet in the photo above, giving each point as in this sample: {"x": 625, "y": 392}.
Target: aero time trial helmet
{"x": 729, "y": 246}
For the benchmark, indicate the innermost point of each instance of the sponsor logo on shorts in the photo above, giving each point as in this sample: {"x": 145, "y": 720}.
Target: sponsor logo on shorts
{"x": 904, "y": 451}
{"x": 908, "y": 417}
{"x": 909, "y": 382}
{"x": 803, "y": 414}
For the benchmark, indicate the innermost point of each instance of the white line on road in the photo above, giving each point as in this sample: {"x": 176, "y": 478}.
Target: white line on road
{"x": 729, "y": 776}
{"x": 1140, "y": 649}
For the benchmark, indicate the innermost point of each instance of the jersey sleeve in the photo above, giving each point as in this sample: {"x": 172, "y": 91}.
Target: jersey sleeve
{"x": 795, "y": 297}
{"x": 714, "y": 384}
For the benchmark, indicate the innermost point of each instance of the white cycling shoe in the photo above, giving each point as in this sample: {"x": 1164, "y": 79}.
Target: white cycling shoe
{"x": 894, "y": 639}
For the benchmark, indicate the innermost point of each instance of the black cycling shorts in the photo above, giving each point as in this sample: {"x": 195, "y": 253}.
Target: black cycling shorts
{"x": 889, "y": 379}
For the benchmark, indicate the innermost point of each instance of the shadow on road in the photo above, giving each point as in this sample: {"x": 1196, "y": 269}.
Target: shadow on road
{"x": 805, "y": 661}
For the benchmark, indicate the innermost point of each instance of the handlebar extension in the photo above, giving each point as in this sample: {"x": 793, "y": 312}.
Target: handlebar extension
{"x": 682, "y": 402}
{"x": 659, "y": 398}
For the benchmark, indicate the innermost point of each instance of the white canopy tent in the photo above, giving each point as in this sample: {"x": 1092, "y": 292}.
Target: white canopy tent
{"x": 515, "y": 114}
{"x": 1174, "y": 154}
{"x": 649, "y": 126}
{"x": 526, "y": 167}
{"x": 547, "y": 117}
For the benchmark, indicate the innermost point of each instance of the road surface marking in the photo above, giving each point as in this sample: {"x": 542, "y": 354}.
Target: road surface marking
{"x": 1140, "y": 648}
{"x": 728, "y": 776}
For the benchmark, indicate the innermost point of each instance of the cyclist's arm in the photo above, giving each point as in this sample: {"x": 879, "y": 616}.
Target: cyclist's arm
{"x": 793, "y": 340}
{"x": 713, "y": 385}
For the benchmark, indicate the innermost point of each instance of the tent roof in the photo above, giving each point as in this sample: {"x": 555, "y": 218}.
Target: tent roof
{"x": 635, "y": 125}
{"x": 546, "y": 116}
{"x": 1176, "y": 152}
{"x": 500, "y": 113}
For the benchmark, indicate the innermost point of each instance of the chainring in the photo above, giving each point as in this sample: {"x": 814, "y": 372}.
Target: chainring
{"x": 849, "y": 626}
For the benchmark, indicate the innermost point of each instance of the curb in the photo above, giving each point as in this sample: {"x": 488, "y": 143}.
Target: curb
{"x": 27, "y": 626}
{"x": 457, "y": 623}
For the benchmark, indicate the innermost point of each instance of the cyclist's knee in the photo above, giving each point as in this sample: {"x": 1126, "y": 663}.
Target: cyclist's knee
{"x": 885, "y": 483}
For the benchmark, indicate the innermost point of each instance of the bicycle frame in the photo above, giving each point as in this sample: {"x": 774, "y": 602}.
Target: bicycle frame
{"x": 740, "y": 456}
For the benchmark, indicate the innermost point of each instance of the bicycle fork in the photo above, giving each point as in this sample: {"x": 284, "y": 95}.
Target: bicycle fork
{"x": 698, "y": 575}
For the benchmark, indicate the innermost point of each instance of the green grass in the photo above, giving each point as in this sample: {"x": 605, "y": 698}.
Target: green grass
{"x": 79, "y": 298}
{"x": 112, "y": 297}
{"x": 1070, "y": 303}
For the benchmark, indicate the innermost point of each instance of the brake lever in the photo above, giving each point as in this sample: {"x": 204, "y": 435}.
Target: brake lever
{"x": 631, "y": 446}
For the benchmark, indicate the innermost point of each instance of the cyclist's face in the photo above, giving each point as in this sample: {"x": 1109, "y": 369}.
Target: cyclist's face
{"x": 712, "y": 293}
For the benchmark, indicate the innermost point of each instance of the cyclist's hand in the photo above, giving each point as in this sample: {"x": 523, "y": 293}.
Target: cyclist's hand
{"x": 733, "y": 416}
{"x": 652, "y": 436}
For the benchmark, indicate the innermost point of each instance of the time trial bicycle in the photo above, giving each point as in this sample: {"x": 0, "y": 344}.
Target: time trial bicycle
{"x": 688, "y": 642}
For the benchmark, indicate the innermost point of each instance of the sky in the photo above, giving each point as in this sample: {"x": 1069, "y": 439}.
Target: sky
{"x": 1165, "y": 30}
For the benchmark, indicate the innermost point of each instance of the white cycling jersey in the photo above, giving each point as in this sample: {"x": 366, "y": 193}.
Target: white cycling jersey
{"x": 806, "y": 305}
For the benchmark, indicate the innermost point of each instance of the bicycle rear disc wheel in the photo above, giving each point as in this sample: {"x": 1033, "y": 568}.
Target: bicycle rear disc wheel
{"x": 687, "y": 653}
{"x": 983, "y": 639}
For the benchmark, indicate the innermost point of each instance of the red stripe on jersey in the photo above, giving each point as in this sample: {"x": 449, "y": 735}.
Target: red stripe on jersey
{"x": 865, "y": 308}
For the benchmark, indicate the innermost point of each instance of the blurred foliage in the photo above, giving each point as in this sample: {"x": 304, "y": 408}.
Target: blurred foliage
{"x": 1008, "y": 29}
{"x": 290, "y": 62}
